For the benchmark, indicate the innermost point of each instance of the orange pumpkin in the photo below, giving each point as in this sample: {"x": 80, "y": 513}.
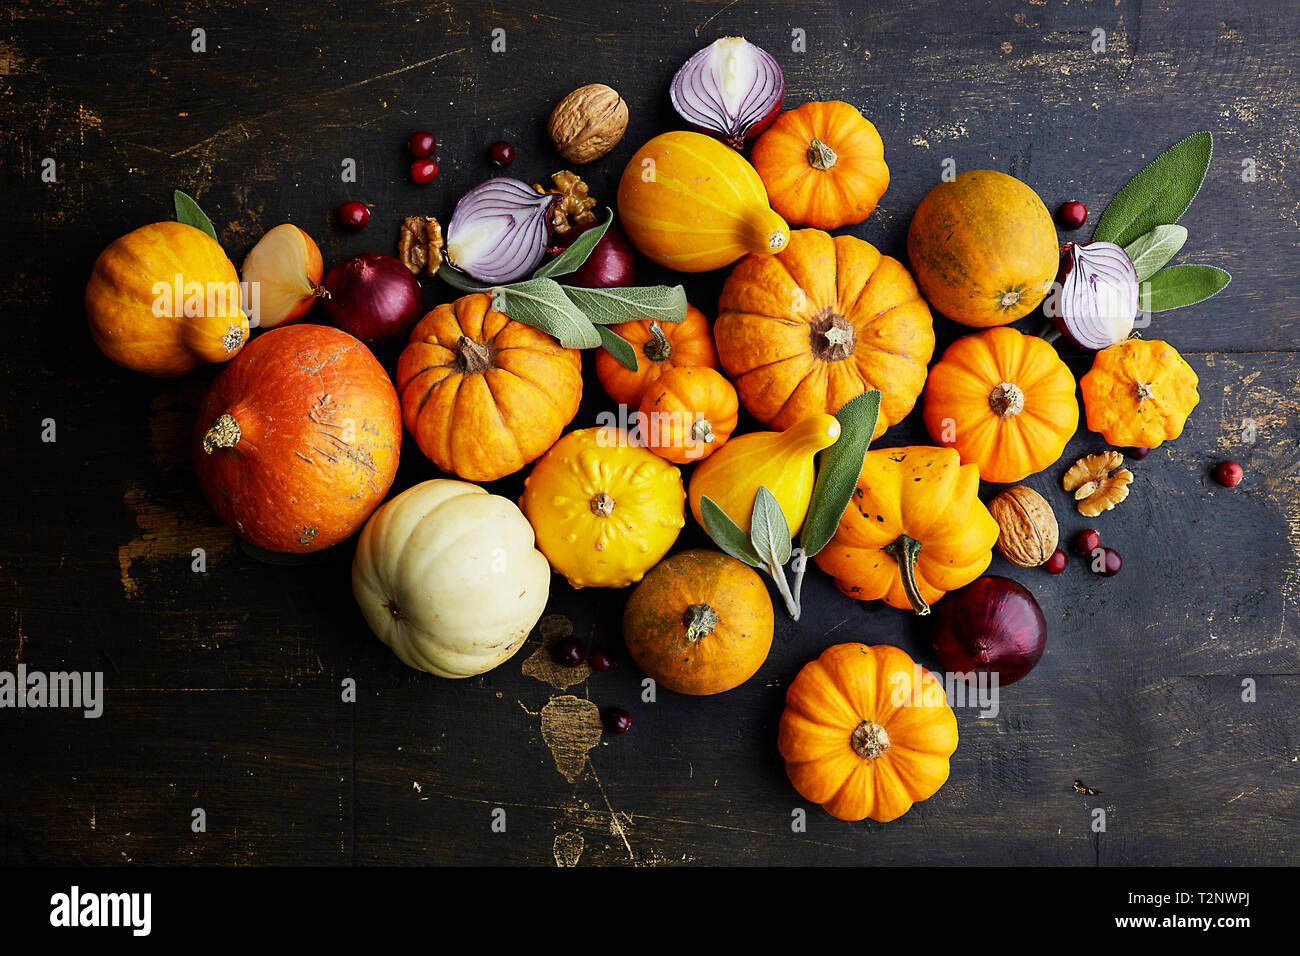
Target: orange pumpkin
{"x": 688, "y": 414}
{"x": 983, "y": 248}
{"x": 699, "y": 623}
{"x": 659, "y": 346}
{"x": 1004, "y": 400}
{"x": 297, "y": 440}
{"x": 823, "y": 165}
{"x": 826, "y": 320}
{"x": 1139, "y": 393}
{"x": 482, "y": 394}
{"x": 164, "y": 299}
{"x": 866, "y": 732}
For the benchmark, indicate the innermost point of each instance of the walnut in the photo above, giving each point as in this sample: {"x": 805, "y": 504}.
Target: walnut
{"x": 588, "y": 123}
{"x": 575, "y": 207}
{"x": 1094, "y": 487}
{"x": 420, "y": 245}
{"x": 1027, "y": 532}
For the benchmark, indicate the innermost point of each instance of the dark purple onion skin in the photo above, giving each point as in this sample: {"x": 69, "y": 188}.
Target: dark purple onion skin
{"x": 993, "y": 625}
{"x": 612, "y": 264}
{"x": 373, "y": 297}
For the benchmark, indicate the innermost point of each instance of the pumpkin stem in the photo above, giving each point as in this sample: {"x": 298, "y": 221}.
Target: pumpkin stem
{"x": 474, "y": 357}
{"x": 700, "y": 620}
{"x": 821, "y": 156}
{"x": 905, "y": 550}
{"x": 702, "y": 431}
{"x": 224, "y": 433}
{"x": 870, "y": 740}
{"x": 1007, "y": 400}
{"x": 658, "y": 349}
{"x": 833, "y": 337}
{"x": 1143, "y": 391}
{"x": 602, "y": 505}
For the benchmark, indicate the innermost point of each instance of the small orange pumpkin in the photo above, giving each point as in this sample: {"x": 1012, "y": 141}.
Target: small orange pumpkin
{"x": 866, "y": 732}
{"x": 1004, "y": 400}
{"x": 659, "y": 346}
{"x": 482, "y": 394}
{"x": 1139, "y": 393}
{"x": 823, "y": 165}
{"x": 688, "y": 413}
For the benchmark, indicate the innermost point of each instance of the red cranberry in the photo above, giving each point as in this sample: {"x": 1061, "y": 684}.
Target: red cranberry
{"x": 617, "y": 720}
{"x": 501, "y": 153}
{"x": 1137, "y": 454}
{"x": 1229, "y": 474}
{"x": 1087, "y": 541}
{"x": 601, "y": 661}
{"x": 570, "y": 652}
{"x": 1057, "y": 562}
{"x": 1107, "y": 562}
{"x": 423, "y": 171}
{"x": 421, "y": 144}
{"x": 354, "y": 215}
{"x": 1073, "y": 214}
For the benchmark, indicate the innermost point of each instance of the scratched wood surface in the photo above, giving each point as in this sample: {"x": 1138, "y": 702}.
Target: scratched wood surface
{"x": 223, "y": 688}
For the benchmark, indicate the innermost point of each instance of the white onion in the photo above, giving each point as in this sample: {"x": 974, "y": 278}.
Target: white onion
{"x": 1096, "y": 299}
{"x": 498, "y": 231}
{"x": 731, "y": 89}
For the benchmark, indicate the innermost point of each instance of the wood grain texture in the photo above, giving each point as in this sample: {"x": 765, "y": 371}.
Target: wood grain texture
{"x": 224, "y": 687}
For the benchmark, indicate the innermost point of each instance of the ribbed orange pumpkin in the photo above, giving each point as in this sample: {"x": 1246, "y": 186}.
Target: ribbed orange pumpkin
{"x": 1004, "y": 400}
{"x": 688, "y": 414}
{"x": 482, "y": 394}
{"x": 826, "y": 320}
{"x": 659, "y": 346}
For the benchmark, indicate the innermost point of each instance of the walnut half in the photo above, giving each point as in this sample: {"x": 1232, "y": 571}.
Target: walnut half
{"x": 575, "y": 207}
{"x": 420, "y": 245}
{"x": 1095, "y": 488}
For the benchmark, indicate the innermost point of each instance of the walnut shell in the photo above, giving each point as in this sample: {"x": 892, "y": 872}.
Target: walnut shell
{"x": 1027, "y": 532}
{"x": 588, "y": 123}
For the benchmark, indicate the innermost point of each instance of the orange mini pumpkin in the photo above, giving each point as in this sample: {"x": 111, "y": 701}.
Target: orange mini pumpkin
{"x": 1139, "y": 393}
{"x": 1004, "y": 400}
{"x": 689, "y": 413}
{"x": 659, "y": 346}
{"x": 482, "y": 394}
{"x": 866, "y": 732}
{"x": 829, "y": 318}
{"x": 823, "y": 165}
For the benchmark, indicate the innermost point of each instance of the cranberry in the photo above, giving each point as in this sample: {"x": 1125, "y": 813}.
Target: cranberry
{"x": 354, "y": 215}
{"x": 423, "y": 171}
{"x": 1087, "y": 541}
{"x": 1073, "y": 214}
{"x": 1228, "y": 474}
{"x": 617, "y": 720}
{"x": 1107, "y": 562}
{"x": 570, "y": 652}
{"x": 421, "y": 144}
{"x": 501, "y": 153}
{"x": 1057, "y": 562}
{"x": 1137, "y": 454}
{"x": 601, "y": 661}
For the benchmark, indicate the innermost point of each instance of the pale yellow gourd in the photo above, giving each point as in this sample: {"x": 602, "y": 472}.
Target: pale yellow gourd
{"x": 782, "y": 462}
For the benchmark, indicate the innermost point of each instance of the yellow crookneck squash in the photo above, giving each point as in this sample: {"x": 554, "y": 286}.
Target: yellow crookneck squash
{"x": 1139, "y": 393}
{"x": 1004, "y": 400}
{"x": 866, "y": 732}
{"x": 914, "y": 529}
{"x": 826, "y": 320}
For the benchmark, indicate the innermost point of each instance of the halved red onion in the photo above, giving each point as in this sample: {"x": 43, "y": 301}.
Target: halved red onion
{"x": 731, "y": 89}
{"x": 1096, "y": 299}
{"x": 498, "y": 231}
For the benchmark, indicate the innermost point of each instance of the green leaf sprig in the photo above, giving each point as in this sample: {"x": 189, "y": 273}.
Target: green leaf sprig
{"x": 189, "y": 213}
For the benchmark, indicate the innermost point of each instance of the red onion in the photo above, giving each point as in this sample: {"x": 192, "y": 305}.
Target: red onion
{"x": 373, "y": 297}
{"x": 731, "y": 89}
{"x": 992, "y": 625}
{"x": 498, "y": 231}
{"x": 1096, "y": 298}
{"x": 612, "y": 264}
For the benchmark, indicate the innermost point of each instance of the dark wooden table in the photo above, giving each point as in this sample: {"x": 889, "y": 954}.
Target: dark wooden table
{"x": 223, "y": 688}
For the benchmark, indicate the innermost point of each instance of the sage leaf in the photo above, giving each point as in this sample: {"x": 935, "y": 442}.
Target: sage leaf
{"x": 189, "y": 213}
{"x": 1179, "y": 286}
{"x": 841, "y": 467}
{"x": 769, "y": 531}
{"x": 1150, "y": 253}
{"x": 459, "y": 280}
{"x": 542, "y": 304}
{"x": 609, "y": 306}
{"x": 728, "y": 535}
{"x": 572, "y": 258}
{"x": 619, "y": 347}
{"x": 1158, "y": 195}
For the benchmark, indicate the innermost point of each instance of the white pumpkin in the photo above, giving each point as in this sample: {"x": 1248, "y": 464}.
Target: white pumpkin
{"x": 447, "y": 576}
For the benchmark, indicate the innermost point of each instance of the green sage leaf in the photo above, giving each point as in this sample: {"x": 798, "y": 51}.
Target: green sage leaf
{"x": 619, "y": 347}
{"x": 1158, "y": 195}
{"x": 1150, "y": 252}
{"x": 189, "y": 213}
{"x": 841, "y": 467}
{"x": 769, "y": 531}
{"x": 728, "y": 535}
{"x": 1179, "y": 286}
{"x": 572, "y": 258}
{"x": 610, "y": 306}
{"x": 459, "y": 280}
{"x": 542, "y": 304}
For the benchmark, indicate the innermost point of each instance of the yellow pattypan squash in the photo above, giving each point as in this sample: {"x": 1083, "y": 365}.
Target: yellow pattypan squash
{"x": 1139, "y": 393}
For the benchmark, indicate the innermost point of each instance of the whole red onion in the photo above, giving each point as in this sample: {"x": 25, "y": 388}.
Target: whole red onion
{"x": 612, "y": 264}
{"x": 374, "y": 297}
{"x": 992, "y": 625}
